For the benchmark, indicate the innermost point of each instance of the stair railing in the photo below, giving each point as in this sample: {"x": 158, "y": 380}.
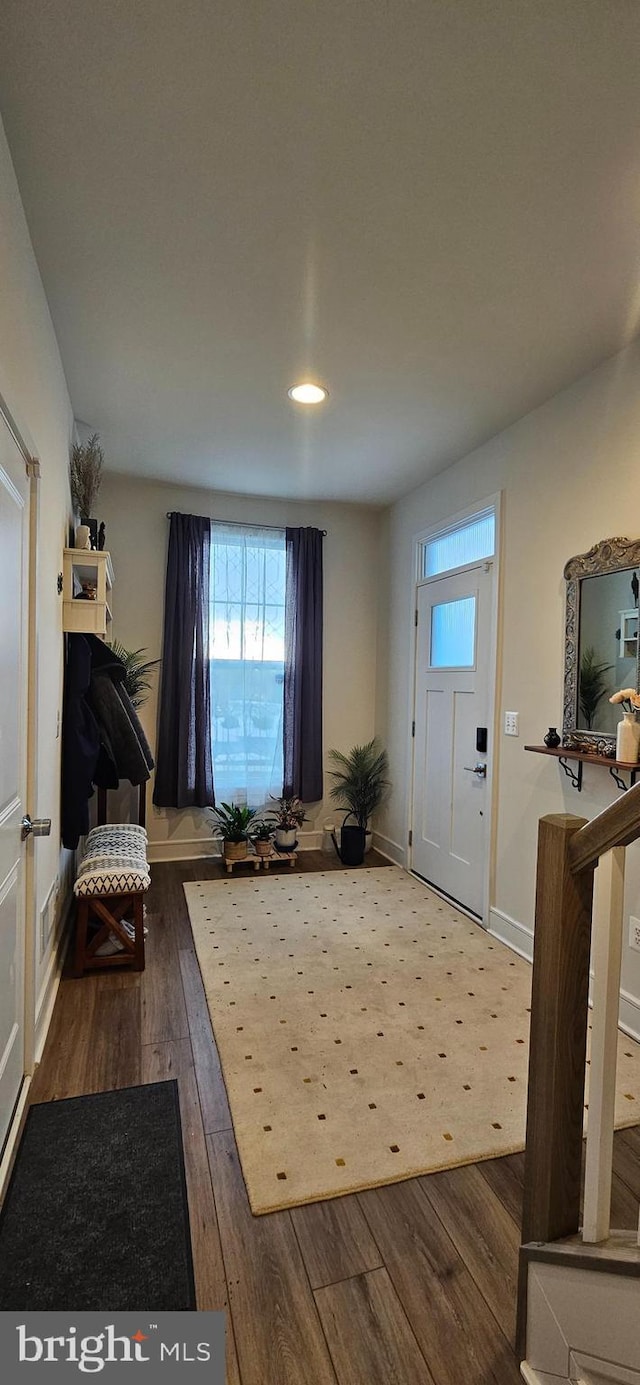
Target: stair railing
{"x": 569, "y": 849}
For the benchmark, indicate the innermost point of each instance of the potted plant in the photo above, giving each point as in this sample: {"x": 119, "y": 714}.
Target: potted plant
{"x": 593, "y": 684}
{"x": 288, "y": 817}
{"x": 136, "y": 672}
{"x": 360, "y": 784}
{"x": 232, "y": 822}
{"x": 261, "y": 836}
{"x": 85, "y": 476}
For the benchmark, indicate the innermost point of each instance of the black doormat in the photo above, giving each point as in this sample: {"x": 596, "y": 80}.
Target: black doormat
{"x": 96, "y": 1213}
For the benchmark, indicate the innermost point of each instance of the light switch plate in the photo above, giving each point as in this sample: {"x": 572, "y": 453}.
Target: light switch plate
{"x": 511, "y": 724}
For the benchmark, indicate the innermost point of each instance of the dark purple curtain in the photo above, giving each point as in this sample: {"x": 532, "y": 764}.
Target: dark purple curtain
{"x": 303, "y": 666}
{"x": 184, "y": 774}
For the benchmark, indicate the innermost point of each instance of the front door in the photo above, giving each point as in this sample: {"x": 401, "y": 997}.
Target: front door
{"x": 450, "y": 818}
{"x": 14, "y": 531}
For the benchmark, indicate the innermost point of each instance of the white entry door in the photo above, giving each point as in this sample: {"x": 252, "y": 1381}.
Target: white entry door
{"x": 450, "y": 819}
{"x": 14, "y": 532}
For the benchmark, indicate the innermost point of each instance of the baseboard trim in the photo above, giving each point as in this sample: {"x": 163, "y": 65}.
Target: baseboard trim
{"x": 205, "y": 848}
{"x": 390, "y": 849}
{"x": 514, "y": 934}
{"x": 535, "y": 1378}
{"x": 629, "y": 1015}
{"x": 49, "y": 990}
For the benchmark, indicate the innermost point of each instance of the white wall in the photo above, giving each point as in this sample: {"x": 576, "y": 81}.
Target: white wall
{"x": 570, "y": 475}
{"x": 137, "y": 532}
{"x": 33, "y": 386}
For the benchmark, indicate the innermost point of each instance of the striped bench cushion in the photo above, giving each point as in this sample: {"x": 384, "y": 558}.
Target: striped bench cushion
{"x": 126, "y": 836}
{"x": 112, "y": 874}
{"x": 114, "y": 861}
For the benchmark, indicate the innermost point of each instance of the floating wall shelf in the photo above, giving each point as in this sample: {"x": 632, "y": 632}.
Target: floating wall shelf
{"x": 564, "y": 753}
{"x": 79, "y": 615}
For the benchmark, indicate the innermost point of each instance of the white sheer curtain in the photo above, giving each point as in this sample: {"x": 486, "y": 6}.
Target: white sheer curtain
{"x": 247, "y": 661}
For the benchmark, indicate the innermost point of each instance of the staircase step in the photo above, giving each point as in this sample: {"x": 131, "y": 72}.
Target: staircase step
{"x": 619, "y": 1254}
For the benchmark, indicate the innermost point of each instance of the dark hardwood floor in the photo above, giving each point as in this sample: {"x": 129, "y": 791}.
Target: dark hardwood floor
{"x": 412, "y": 1284}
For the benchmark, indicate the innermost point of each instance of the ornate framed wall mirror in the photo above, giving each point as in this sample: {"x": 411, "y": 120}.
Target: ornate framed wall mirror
{"x": 601, "y": 642}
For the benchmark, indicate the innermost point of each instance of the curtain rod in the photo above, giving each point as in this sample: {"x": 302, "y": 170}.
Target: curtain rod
{"x": 242, "y": 524}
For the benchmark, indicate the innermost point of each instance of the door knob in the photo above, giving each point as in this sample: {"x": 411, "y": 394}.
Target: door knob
{"x": 38, "y": 827}
{"x": 480, "y": 770}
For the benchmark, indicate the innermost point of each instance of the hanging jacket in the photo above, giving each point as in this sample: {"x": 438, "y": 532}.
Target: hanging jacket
{"x": 122, "y": 734}
{"x": 80, "y": 743}
{"x": 103, "y": 740}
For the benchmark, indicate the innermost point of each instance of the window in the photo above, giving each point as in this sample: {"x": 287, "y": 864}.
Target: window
{"x": 247, "y": 661}
{"x": 453, "y": 633}
{"x": 467, "y": 543}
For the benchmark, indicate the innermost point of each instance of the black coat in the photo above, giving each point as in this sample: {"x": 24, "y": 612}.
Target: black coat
{"x": 120, "y": 726}
{"x": 103, "y": 740}
{"x": 80, "y": 743}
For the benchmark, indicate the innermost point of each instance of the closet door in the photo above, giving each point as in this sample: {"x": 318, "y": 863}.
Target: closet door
{"x": 14, "y": 538}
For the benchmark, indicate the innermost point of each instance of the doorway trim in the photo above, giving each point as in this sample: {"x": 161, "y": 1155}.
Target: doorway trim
{"x": 32, "y": 471}
{"x": 492, "y": 502}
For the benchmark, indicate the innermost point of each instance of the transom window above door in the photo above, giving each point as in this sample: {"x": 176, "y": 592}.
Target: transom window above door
{"x": 467, "y": 542}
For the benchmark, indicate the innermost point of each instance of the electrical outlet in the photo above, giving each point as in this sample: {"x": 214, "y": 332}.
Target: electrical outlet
{"x": 511, "y": 724}
{"x": 634, "y": 933}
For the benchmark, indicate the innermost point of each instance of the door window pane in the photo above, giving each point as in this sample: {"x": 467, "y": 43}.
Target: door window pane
{"x": 467, "y": 544}
{"x": 453, "y": 632}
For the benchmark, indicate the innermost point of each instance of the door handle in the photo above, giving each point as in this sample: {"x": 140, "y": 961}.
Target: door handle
{"x": 480, "y": 770}
{"x": 38, "y": 827}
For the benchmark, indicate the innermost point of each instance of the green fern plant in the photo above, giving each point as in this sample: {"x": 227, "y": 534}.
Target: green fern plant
{"x": 232, "y": 821}
{"x": 360, "y": 779}
{"x": 136, "y": 672}
{"x": 593, "y": 684}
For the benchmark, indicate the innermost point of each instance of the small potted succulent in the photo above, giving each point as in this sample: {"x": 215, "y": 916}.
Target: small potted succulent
{"x": 288, "y": 816}
{"x": 232, "y": 822}
{"x": 261, "y": 836}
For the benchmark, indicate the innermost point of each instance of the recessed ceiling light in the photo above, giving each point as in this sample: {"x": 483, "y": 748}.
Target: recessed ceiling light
{"x": 306, "y": 393}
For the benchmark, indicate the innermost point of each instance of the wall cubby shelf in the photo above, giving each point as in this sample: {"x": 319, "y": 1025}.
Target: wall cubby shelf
{"x": 565, "y": 753}
{"x": 80, "y": 616}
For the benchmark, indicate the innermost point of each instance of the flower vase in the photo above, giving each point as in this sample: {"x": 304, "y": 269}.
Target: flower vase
{"x": 92, "y": 525}
{"x": 628, "y": 738}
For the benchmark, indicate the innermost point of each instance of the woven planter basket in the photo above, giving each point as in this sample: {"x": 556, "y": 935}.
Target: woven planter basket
{"x": 234, "y": 851}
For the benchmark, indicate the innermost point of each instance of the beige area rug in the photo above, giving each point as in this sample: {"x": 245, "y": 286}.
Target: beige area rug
{"x": 367, "y": 1031}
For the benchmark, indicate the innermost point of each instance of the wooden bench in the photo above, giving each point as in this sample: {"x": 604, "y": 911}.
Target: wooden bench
{"x": 110, "y": 888}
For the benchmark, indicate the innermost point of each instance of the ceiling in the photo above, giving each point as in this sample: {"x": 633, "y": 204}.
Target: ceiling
{"x": 432, "y": 206}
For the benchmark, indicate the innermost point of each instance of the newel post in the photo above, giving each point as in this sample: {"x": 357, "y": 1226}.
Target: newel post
{"x": 557, "y": 1055}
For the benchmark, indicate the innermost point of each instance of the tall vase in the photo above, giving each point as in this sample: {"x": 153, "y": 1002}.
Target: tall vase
{"x": 93, "y": 529}
{"x": 628, "y": 738}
